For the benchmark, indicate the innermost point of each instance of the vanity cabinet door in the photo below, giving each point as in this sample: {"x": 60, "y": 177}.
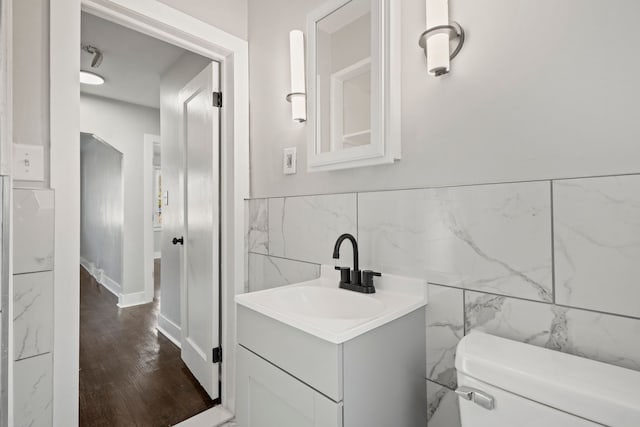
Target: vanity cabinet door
{"x": 269, "y": 397}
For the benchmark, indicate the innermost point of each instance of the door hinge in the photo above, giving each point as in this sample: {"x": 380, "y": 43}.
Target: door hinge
{"x": 216, "y": 354}
{"x": 217, "y": 99}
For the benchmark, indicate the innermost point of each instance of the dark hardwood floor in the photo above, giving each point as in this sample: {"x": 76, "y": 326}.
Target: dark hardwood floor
{"x": 130, "y": 375}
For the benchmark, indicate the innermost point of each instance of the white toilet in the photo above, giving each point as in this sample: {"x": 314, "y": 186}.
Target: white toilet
{"x": 504, "y": 383}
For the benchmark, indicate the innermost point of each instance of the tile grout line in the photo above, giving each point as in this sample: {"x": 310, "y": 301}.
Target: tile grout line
{"x": 465, "y": 290}
{"x": 358, "y": 216}
{"x": 33, "y": 272}
{"x": 464, "y": 312}
{"x": 285, "y": 258}
{"x": 590, "y": 310}
{"x": 33, "y": 356}
{"x": 437, "y": 383}
{"x": 553, "y": 249}
{"x": 451, "y": 186}
{"x": 268, "y": 230}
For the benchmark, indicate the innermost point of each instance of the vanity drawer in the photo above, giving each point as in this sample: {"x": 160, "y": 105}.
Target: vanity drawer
{"x": 313, "y": 361}
{"x": 269, "y": 397}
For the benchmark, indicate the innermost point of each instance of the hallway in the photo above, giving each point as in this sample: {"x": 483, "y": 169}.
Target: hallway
{"x": 130, "y": 375}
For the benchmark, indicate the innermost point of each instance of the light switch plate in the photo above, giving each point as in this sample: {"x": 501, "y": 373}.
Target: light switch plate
{"x": 28, "y": 162}
{"x": 289, "y": 161}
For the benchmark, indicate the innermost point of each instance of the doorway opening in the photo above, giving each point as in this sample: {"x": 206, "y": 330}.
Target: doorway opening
{"x": 164, "y": 23}
{"x": 138, "y": 361}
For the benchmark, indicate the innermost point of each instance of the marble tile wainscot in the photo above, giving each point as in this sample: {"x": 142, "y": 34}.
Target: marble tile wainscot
{"x": 552, "y": 263}
{"x": 597, "y": 242}
{"x": 33, "y": 211}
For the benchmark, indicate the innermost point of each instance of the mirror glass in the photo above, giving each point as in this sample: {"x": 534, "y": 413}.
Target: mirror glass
{"x": 343, "y": 78}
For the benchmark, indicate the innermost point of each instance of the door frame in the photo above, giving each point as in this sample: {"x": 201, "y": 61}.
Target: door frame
{"x": 160, "y": 21}
{"x": 147, "y": 210}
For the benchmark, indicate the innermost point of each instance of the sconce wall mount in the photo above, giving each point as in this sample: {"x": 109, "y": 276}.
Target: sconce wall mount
{"x": 455, "y": 32}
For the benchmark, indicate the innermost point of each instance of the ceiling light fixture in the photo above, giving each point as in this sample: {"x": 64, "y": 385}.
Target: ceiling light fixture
{"x": 89, "y": 78}
{"x": 97, "y": 54}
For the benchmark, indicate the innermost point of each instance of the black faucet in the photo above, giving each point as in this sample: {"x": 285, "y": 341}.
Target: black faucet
{"x": 352, "y": 279}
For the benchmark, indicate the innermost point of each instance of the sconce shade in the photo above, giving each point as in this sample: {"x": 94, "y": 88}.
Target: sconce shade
{"x": 297, "y": 97}
{"x": 438, "y": 42}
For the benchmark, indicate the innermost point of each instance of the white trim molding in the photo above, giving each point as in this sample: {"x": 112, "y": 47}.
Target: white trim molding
{"x": 124, "y": 300}
{"x": 6, "y": 86}
{"x": 132, "y": 299}
{"x": 169, "y": 329}
{"x": 64, "y": 116}
{"x": 214, "y": 417}
{"x": 98, "y": 274}
{"x": 157, "y": 20}
{"x": 147, "y": 209}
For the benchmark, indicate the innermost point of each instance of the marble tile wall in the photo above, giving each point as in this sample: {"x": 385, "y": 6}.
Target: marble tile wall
{"x": 550, "y": 263}
{"x": 268, "y": 272}
{"x": 33, "y": 251}
{"x": 306, "y": 228}
{"x": 288, "y": 238}
{"x": 32, "y": 230}
{"x": 32, "y": 314}
{"x": 33, "y": 391}
{"x": 470, "y": 237}
{"x": 598, "y": 219}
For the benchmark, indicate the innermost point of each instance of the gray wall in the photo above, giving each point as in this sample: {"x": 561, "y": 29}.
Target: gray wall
{"x": 174, "y": 79}
{"x": 123, "y": 125}
{"x": 31, "y": 77}
{"x": 536, "y": 93}
{"x": 228, "y": 15}
{"x": 101, "y": 207}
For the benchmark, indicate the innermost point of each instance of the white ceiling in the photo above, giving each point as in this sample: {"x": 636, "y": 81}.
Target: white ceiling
{"x": 132, "y": 63}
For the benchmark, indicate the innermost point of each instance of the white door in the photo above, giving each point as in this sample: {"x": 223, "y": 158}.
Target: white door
{"x": 200, "y": 288}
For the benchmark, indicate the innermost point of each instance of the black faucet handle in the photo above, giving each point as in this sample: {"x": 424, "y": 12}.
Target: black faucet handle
{"x": 367, "y": 277}
{"x": 345, "y": 274}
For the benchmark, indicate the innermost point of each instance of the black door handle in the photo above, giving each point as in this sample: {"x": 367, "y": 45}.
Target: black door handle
{"x": 175, "y": 240}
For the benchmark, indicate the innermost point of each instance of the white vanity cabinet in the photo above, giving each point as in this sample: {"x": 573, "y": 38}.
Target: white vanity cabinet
{"x": 288, "y": 377}
{"x": 273, "y": 398}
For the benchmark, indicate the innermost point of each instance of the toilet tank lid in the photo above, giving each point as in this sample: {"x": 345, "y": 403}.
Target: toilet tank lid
{"x": 597, "y": 391}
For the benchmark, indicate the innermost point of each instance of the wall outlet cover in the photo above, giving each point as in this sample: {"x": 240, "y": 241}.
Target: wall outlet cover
{"x": 289, "y": 161}
{"x": 28, "y": 162}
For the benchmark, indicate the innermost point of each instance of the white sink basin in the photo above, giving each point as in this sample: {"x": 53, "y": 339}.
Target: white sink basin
{"x": 319, "y": 307}
{"x": 324, "y": 302}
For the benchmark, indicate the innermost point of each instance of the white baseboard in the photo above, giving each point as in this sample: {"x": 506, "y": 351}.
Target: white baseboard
{"x": 169, "y": 329}
{"x": 214, "y": 417}
{"x": 134, "y": 298}
{"x": 111, "y": 285}
{"x": 97, "y": 273}
{"x": 157, "y": 255}
{"x": 124, "y": 300}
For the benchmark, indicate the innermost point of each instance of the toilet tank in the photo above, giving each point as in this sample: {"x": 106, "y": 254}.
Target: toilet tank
{"x": 504, "y": 383}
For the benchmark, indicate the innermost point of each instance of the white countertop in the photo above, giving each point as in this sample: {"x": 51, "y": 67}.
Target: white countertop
{"x": 318, "y": 312}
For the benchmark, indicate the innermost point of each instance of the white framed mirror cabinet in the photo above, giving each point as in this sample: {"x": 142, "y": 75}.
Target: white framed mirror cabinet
{"x": 353, "y": 84}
